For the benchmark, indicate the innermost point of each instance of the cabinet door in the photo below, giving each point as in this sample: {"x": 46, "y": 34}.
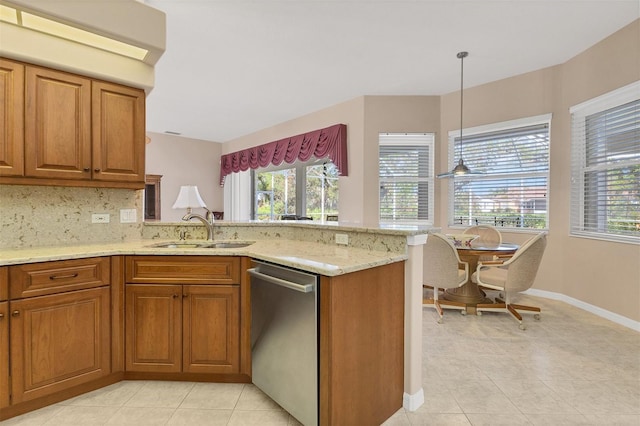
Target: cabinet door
{"x": 11, "y": 118}
{"x": 57, "y": 124}
{"x": 211, "y": 329}
{"x": 59, "y": 341}
{"x": 4, "y": 337}
{"x": 153, "y": 332}
{"x": 118, "y": 132}
{"x": 4, "y": 354}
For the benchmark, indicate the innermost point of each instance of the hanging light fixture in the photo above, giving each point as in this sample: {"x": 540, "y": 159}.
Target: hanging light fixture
{"x": 460, "y": 169}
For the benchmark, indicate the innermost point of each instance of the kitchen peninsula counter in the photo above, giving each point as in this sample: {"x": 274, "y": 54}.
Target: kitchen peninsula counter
{"x": 309, "y": 247}
{"x": 313, "y": 257}
{"x": 378, "y": 262}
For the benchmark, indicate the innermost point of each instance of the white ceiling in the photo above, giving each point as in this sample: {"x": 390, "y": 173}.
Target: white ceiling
{"x": 234, "y": 67}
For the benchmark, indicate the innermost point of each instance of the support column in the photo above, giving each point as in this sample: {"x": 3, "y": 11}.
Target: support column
{"x": 413, "y": 396}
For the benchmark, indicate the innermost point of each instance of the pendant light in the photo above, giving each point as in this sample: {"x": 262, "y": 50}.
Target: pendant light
{"x": 460, "y": 169}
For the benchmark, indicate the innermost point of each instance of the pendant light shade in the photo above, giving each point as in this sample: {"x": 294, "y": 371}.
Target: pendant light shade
{"x": 460, "y": 169}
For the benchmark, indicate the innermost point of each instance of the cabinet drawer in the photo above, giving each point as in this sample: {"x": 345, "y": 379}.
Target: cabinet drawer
{"x": 183, "y": 269}
{"x": 4, "y": 283}
{"x": 38, "y": 279}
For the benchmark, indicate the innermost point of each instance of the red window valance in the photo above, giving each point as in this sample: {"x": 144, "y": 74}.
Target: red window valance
{"x": 328, "y": 142}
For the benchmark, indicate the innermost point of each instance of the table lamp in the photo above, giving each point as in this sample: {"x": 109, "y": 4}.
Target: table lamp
{"x": 188, "y": 198}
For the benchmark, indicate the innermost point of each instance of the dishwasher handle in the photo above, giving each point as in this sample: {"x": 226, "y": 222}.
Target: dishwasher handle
{"x": 302, "y": 288}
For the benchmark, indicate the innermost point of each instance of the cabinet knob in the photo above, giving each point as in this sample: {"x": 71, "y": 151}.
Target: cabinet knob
{"x": 15, "y": 313}
{"x": 1, "y": 315}
{"x": 175, "y": 296}
{"x": 86, "y": 170}
{"x": 96, "y": 170}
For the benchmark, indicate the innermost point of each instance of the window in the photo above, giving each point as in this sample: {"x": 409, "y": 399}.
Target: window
{"x": 512, "y": 191}
{"x": 605, "y": 166}
{"x": 301, "y": 190}
{"x": 321, "y": 191}
{"x": 406, "y": 177}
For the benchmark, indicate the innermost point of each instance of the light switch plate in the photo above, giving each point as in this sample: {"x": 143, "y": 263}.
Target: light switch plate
{"x": 128, "y": 215}
{"x": 100, "y": 218}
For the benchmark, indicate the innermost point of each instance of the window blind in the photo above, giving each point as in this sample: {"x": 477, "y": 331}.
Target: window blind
{"x": 605, "y": 166}
{"x": 406, "y": 177}
{"x": 512, "y": 191}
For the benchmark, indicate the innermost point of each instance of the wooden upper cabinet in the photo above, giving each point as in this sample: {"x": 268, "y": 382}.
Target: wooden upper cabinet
{"x": 64, "y": 129}
{"x": 57, "y": 124}
{"x": 118, "y": 114}
{"x": 11, "y": 118}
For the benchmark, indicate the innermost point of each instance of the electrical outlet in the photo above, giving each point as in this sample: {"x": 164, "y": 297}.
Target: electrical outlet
{"x": 100, "y": 218}
{"x": 342, "y": 239}
{"x": 128, "y": 215}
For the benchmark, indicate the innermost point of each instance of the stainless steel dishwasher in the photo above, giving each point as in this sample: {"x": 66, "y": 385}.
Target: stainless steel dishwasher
{"x": 284, "y": 338}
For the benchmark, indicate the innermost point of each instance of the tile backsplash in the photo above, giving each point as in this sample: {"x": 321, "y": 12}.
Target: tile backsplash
{"x": 51, "y": 215}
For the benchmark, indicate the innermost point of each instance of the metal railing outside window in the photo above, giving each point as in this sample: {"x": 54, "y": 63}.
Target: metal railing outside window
{"x": 512, "y": 190}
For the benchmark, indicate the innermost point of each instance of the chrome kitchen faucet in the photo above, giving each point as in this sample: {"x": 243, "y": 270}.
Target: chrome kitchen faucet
{"x": 208, "y": 222}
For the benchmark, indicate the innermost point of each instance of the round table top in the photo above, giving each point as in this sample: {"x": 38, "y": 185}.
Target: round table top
{"x": 503, "y": 247}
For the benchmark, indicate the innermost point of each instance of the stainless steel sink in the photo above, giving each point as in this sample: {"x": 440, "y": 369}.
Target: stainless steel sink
{"x": 185, "y": 244}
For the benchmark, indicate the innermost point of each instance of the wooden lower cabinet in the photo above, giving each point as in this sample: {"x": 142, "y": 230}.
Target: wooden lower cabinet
{"x": 59, "y": 341}
{"x": 4, "y": 354}
{"x": 4, "y": 337}
{"x": 153, "y": 337}
{"x": 176, "y": 328}
{"x": 211, "y": 329}
{"x": 362, "y": 346}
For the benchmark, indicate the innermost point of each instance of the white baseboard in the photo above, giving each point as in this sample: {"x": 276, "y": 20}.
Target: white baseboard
{"x": 413, "y": 402}
{"x": 611, "y": 316}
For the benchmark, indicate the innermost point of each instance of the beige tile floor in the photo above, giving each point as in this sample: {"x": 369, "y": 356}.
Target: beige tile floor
{"x": 570, "y": 368}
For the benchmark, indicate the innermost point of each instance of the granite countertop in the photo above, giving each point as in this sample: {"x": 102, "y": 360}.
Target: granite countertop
{"x": 325, "y": 259}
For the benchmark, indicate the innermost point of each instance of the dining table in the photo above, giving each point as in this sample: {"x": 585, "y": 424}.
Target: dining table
{"x": 469, "y": 293}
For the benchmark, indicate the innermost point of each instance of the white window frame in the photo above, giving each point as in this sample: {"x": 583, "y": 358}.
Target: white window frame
{"x": 579, "y": 114}
{"x": 301, "y": 184}
{"x": 423, "y": 139}
{"x": 490, "y": 128}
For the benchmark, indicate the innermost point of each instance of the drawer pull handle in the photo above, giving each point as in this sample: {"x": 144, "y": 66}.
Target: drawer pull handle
{"x": 61, "y": 277}
{"x": 15, "y": 313}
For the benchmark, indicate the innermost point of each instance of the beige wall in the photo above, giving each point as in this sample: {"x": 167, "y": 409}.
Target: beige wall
{"x": 365, "y": 117}
{"x": 391, "y": 114}
{"x": 184, "y": 161}
{"x": 600, "y": 273}
{"x": 351, "y": 113}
